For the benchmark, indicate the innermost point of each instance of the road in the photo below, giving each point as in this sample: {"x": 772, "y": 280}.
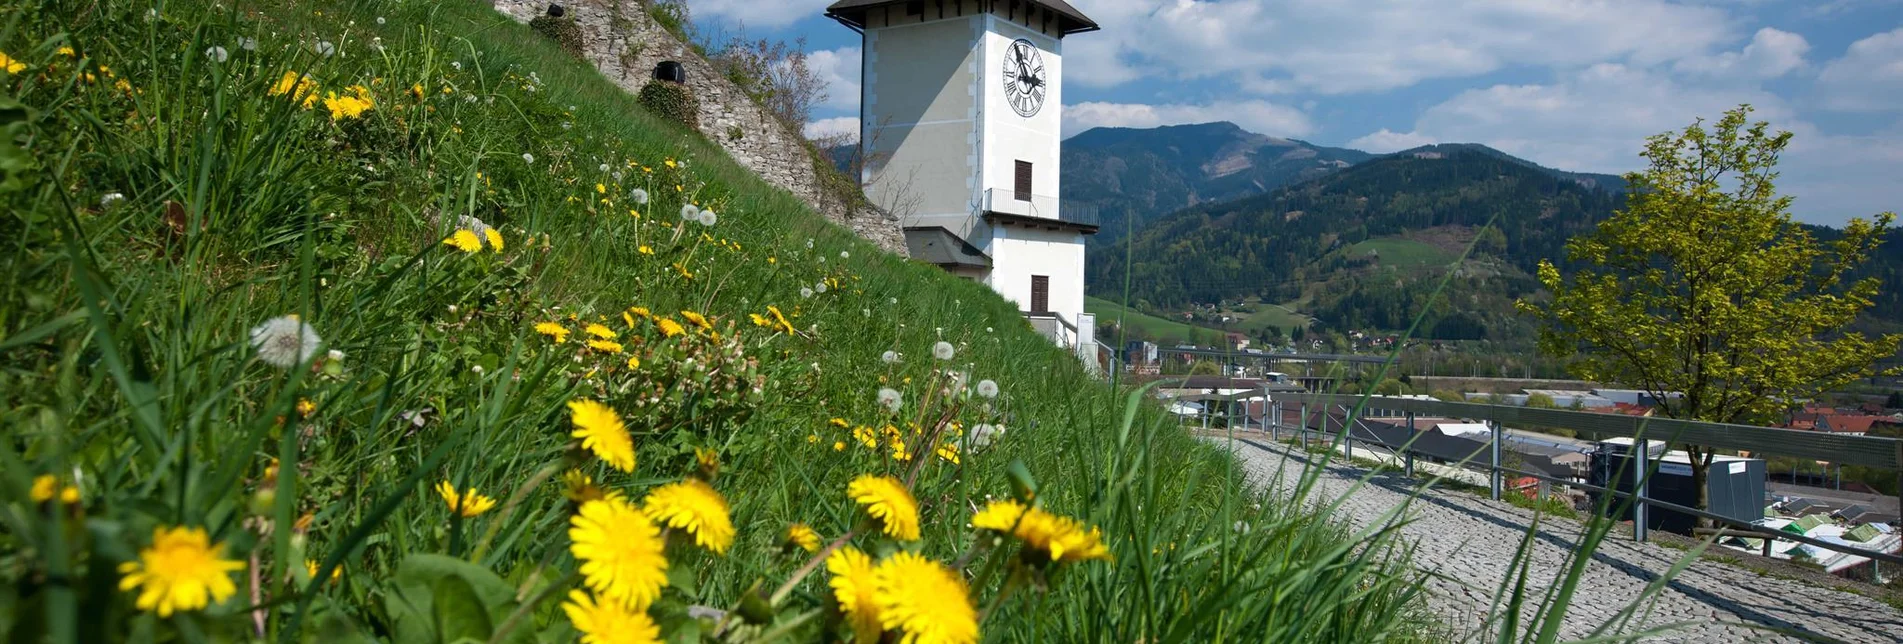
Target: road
{"x": 1467, "y": 545}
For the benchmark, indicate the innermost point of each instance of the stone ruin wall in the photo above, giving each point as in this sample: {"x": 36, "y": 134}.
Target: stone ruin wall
{"x": 625, "y": 44}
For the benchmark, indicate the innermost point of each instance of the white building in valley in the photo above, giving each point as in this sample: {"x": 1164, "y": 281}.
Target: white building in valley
{"x": 960, "y": 120}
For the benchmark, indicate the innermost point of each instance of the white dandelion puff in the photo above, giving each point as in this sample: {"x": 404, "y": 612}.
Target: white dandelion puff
{"x": 809, "y": 243}
{"x": 285, "y": 341}
{"x": 379, "y": 20}
{"x": 335, "y": 355}
{"x": 477, "y": 369}
{"x": 457, "y": 64}
{"x": 217, "y": 53}
{"x": 528, "y": 158}
{"x": 708, "y": 218}
{"x": 983, "y": 435}
{"x": 690, "y": 212}
{"x": 806, "y": 292}
{"x": 943, "y": 350}
{"x": 844, "y": 254}
{"x": 325, "y": 48}
{"x": 110, "y": 199}
{"x": 890, "y": 357}
{"x": 247, "y": 44}
{"x": 820, "y": 287}
{"x": 891, "y": 399}
{"x": 603, "y": 167}
{"x": 639, "y": 196}
{"x": 987, "y": 388}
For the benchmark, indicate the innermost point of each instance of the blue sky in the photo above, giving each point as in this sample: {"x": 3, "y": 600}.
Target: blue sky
{"x": 1573, "y": 84}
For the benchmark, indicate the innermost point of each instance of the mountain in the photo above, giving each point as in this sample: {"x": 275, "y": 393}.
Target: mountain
{"x": 1363, "y": 247}
{"x": 1136, "y": 175}
{"x": 1587, "y": 179}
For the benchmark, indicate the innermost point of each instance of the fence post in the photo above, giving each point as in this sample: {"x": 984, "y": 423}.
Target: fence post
{"x": 1639, "y": 448}
{"x": 1407, "y": 451}
{"x": 1493, "y": 473}
{"x": 1347, "y": 433}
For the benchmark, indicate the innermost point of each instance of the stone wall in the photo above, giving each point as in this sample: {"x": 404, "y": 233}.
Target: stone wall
{"x": 624, "y": 43}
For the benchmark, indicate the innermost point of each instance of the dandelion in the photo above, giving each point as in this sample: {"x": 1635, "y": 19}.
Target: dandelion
{"x": 476, "y": 370}
{"x": 758, "y": 320}
{"x": 609, "y": 622}
{"x": 181, "y": 570}
{"x": 819, "y": 288}
{"x": 891, "y": 399}
{"x": 579, "y": 487}
{"x": 334, "y": 355}
{"x": 602, "y": 432}
{"x": 948, "y": 452}
{"x": 855, "y": 586}
{"x": 924, "y": 600}
{"x": 310, "y": 568}
{"x": 866, "y": 437}
{"x": 12, "y": 66}
{"x": 844, "y": 255}
{"x": 1056, "y": 538}
{"x": 645, "y": 250}
{"x": 110, "y": 199}
{"x": 247, "y": 44}
{"x": 987, "y": 388}
{"x": 887, "y": 500}
{"x": 669, "y": 327}
{"x": 690, "y": 212}
{"x": 346, "y": 106}
{"x": 457, "y": 64}
{"x": 639, "y": 196}
{"x": 469, "y": 504}
{"x": 601, "y": 331}
{"x": 889, "y": 357}
{"x": 708, "y": 218}
{"x": 217, "y": 54}
{"x": 806, "y": 292}
{"x": 780, "y": 320}
{"x": 298, "y": 86}
{"x": 528, "y": 158}
{"x": 553, "y": 330}
{"x": 694, "y": 506}
{"x": 802, "y": 536}
{"x": 943, "y": 350}
{"x": 605, "y": 346}
{"x": 325, "y": 48}
{"x": 620, "y": 551}
{"x": 839, "y": 446}
{"x": 46, "y": 486}
{"x": 640, "y": 312}
{"x": 464, "y": 240}
{"x": 983, "y": 435}
{"x": 285, "y": 341}
{"x": 634, "y": 362}
{"x": 305, "y": 407}
{"x": 379, "y": 21}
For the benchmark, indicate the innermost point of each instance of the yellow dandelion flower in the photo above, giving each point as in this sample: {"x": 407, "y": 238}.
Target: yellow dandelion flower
{"x": 855, "y": 587}
{"x": 812, "y": 438}
{"x": 305, "y": 407}
{"x": 495, "y": 238}
{"x": 947, "y": 452}
{"x": 1056, "y": 537}
{"x": 344, "y": 107}
{"x": 465, "y": 241}
{"x": 579, "y": 487}
{"x": 66, "y": 51}
{"x": 641, "y": 312}
{"x": 122, "y": 85}
{"x": 310, "y": 568}
{"x": 181, "y": 570}
{"x": 682, "y": 269}
{"x": 69, "y": 495}
{"x": 601, "y": 331}
{"x": 601, "y": 189}
{"x": 609, "y": 622}
{"x": 757, "y": 320}
{"x": 469, "y": 503}
{"x": 12, "y": 66}
{"x": 839, "y": 422}
{"x": 670, "y": 162}
{"x": 554, "y": 331}
{"x": 803, "y": 536}
{"x": 669, "y": 327}
{"x": 887, "y": 500}
{"x": 45, "y": 487}
{"x": 772, "y": 260}
{"x": 605, "y": 346}
{"x": 601, "y": 432}
{"x": 839, "y": 446}
{"x": 866, "y": 436}
{"x": 299, "y": 86}
{"x": 697, "y": 319}
{"x": 620, "y": 551}
{"x": 706, "y": 462}
{"x": 645, "y": 250}
{"x": 899, "y": 452}
{"x": 634, "y": 362}
{"x": 780, "y": 319}
{"x": 696, "y": 507}
{"x": 924, "y": 600}
{"x": 416, "y": 91}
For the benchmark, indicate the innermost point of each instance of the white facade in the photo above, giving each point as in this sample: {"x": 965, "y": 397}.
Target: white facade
{"x": 944, "y": 143}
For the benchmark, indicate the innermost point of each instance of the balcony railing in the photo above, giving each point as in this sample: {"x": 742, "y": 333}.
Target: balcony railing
{"x": 1006, "y": 202}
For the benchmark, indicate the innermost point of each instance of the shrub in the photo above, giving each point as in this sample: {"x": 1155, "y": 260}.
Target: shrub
{"x": 671, "y": 101}
{"x": 562, "y": 30}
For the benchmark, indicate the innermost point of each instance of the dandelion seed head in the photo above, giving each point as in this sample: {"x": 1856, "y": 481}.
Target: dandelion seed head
{"x": 987, "y": 388}
{"x": 639, "y": 196}
{"x": 325, "y": 48}
{"x": 943, "y": 350}
{"x": 819, "y": 288}
{"x": 690, "y": 212}
{"x": 708, "y": 218}
{"x": 844, "y": 254}
{"x": 379, "y": 20}
{"x": 247, "y": 44}
{"x": 285, "y": 341}
{"x": 890, "y": 357}
{"x": 217, "y": 53}
{"x": 806, "y": 292}
{"x": 528, "y": 158}
{"x": 891, "y": 399}
{"x": 111, "y": 199}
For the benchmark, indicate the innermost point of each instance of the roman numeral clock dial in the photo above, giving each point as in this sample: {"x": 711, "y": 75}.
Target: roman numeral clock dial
{"x": 1024, "y": 80}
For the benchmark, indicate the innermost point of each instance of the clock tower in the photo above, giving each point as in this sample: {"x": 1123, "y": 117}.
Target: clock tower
{"x": 960, "y": 119}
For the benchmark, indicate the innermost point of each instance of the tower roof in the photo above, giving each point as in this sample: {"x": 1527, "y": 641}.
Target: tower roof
{"x": 1070, "y": 20}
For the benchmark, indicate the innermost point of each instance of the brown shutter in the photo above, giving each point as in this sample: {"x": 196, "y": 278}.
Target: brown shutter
{"x": 1023, "y": 188}
{"x": 1040, "y": 292}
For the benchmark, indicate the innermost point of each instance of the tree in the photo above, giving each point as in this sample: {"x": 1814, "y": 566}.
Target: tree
{"x": 1702, "y": 287}
{"x": 1391, "y": 387}
{"x": 1541, "y": 401}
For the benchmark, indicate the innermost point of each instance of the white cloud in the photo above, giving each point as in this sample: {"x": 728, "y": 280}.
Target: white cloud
{"x": 1333, "y": 47}
{"x": 843, "y": 126}
{"x": 770, "y": 14}
{"x": 1385, "y": 140}
{"x": 1771, "y": 53}
{"x": 839, "y": 68}
{"x": 1256, "y": 116}
{"x": 1868, "y": 78}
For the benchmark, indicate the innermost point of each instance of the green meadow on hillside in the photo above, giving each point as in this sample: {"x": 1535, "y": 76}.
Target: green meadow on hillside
{"x": 337, "y": 322}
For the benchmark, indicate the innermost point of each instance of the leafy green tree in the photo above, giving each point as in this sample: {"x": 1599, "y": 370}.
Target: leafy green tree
{"x": 1448, "y": 395}
{"x": 1391, "y": 387}
{"x": 1703, "y": 286}
{"x": 1541, "y": 401}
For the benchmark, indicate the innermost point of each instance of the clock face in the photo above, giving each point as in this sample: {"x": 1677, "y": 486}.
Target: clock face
{"x": 1025, "y": 82}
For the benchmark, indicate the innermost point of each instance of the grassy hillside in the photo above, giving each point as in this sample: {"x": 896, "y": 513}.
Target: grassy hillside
{"x": 482, "y": 242}
{"x": 1400, "y": 253}
{"x": 1144, "y": 326}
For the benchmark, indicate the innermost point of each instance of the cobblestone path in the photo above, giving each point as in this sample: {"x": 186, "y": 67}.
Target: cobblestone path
{"x": 1468, "y": 544}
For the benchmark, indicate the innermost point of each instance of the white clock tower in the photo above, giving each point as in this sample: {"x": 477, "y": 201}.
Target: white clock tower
{"x": 959, "y": 123}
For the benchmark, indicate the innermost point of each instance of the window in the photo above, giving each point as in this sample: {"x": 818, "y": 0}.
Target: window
{"x": 1040, "y": 292}
{"x": 1022, "y": 189}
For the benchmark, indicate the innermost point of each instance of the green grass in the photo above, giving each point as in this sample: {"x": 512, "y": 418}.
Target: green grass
{"x": 1149, "y": 327}
{"x": 126, "y": 369}
{"x": 1401, "y": 253}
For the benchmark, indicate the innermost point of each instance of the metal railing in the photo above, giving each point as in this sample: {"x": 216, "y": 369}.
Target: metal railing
{"x": 1006, "y": 201}
{"x": 1885, "y": 453}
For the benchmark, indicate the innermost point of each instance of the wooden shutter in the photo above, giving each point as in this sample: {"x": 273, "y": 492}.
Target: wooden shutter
{"x": 1040, "y": 292}
{"x": 1023, "y": 185}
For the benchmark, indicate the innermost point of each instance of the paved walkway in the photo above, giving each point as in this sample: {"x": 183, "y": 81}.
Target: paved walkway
{"x": 1468, "y": 543}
